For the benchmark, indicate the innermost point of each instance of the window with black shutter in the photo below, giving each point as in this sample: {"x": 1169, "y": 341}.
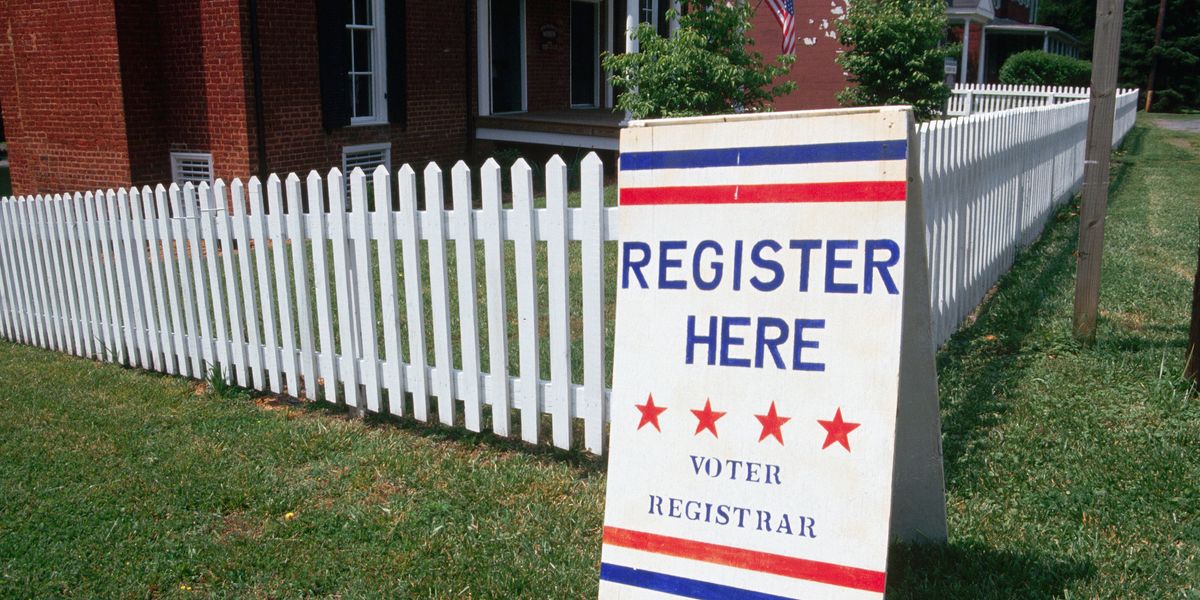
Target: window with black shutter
{"x": 362, "y": 61}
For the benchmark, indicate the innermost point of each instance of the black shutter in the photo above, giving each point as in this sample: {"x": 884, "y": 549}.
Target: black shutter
{"x": 664, "y": 26}
{"x": 397, "y": 68}
{"x": 333, "y": 48}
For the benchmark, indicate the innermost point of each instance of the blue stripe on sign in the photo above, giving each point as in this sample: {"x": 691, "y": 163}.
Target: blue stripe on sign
{"x": 680, "y": 586}
{"x": 765, "y": 155}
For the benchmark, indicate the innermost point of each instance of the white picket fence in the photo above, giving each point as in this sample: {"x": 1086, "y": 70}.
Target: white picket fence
{"x": 298, "y": 287}
{"x": 970, "y": 98}
{"x": 990, "y": 181}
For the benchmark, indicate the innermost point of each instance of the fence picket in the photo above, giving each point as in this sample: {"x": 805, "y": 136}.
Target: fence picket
{"x": 163, "y": 329}
{"x": 394, "y": 373}
{"x": 439, "y": 295}
{"x": 146, "y": 293}
{"x": 524, "y": 236}
{"x": 347, "y": 329}
{"x": 246, "y": 270}
{"x": 592, "y": 248}
{"x": 287, "y": 323}
{"x": 233, "y": 300}
{"x": 179, "y": 220}
{"x": 462, "y": 227}
{"x": 410, "y": 239}
{"x": 562, "y": 406}
{"x": 324, "y": 307}
{"x": 265, "y": 289}
{"x": 295, "y": 216}
{"x": 170, "y": 260}
{"x": 70, "y": 268}
{"x": 360, "y": 230}
{"x": 492, "y": 226}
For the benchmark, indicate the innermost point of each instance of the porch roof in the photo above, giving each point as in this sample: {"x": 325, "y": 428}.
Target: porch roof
{"x": 597, "y": 128}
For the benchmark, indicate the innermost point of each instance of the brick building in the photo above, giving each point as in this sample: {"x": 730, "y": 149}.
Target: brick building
{"x": 101, "y": 93}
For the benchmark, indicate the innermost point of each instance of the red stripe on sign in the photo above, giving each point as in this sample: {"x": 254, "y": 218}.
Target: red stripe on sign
{"x": 775, "y": 564}
{"x": 842, "y": 191}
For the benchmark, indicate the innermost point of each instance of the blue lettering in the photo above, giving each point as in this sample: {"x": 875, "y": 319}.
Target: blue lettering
{"x": 770, "y": 343}
{"x": 666, "y": 262}
{"x": 632, "y": 265}
{"x": 881, "y": 265}
{"x": 805, "y": 247}
{"x": 728, "y": 340}
{"x": 832, "y": 265}
{"x": 716, "y": 266}
{"x": 801, "y": 343}
{"x": 693, "y": 338}
{"x": 771, "y": 265}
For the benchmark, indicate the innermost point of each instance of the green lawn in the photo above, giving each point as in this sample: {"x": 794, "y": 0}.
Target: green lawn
{"x": 1072, "y": 471}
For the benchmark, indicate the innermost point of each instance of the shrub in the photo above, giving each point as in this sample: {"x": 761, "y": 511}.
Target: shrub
{"x": 1034, "y": 67}
{"x": 706, "y": 67}
{"x": 895, "y": 54}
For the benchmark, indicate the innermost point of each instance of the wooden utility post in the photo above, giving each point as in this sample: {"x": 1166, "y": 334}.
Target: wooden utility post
{"x": 1191, "y": 369}
{"x": 1101, "y": 110}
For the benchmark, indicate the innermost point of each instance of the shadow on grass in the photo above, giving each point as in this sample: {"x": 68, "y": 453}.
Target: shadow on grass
{"x": 969, "y": 570}
{"x": 587, "y": 464}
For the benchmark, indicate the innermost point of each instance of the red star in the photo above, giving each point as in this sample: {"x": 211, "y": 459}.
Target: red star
{"x": 650, "y": 412}
{"x": 837, "y": 430}
{"x": 771, "y": 423}
{"x": 707, "y": 418}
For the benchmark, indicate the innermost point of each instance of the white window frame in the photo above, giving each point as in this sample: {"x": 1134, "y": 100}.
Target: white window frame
{"x": 653, "y": 20}
{"x": 178, "y": 157}
{"x": 348, "y": 150}
{"x": 378, "y": 72}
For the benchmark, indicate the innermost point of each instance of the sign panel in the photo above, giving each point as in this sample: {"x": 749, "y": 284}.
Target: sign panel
{"x": 950, "y": 65}
{"x": 758, "y": 334}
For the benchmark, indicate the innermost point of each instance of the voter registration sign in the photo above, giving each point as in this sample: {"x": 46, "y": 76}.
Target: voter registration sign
{"x": 761, "y": 275}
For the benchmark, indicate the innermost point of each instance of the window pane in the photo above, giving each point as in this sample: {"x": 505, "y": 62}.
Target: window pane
{"x": 362, "y": 97}
{"x": 647, "y": 11}
{"x": 361, "y": 50}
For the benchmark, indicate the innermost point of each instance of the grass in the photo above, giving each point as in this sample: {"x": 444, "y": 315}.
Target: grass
{"x": 1072, "y": 471}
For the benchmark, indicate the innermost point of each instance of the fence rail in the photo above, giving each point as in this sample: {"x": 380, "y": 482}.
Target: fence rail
{"x": 970, "y": 98}
{"x": 487, "y": 317}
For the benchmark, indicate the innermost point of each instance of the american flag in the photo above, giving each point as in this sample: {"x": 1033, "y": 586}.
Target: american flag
{"x": 785, "y": 13}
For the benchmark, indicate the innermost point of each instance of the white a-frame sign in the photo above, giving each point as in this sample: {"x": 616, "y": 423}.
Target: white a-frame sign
{"x": 774, "y": 364}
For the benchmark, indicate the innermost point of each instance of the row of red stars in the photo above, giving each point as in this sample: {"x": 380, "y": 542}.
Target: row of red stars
{"x": 836, "y": 430}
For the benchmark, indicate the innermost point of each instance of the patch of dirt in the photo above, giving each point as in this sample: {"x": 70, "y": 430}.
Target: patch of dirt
{"x": 237, "y": 525}
{"x": 1130, "y": 321}
{"x": 1191, "y": 125}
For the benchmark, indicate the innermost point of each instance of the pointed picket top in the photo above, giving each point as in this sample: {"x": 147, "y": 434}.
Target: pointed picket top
{"x": 555, "y": 162}
{"x": 334, "y": 172}
{"x": 489, "y": 177}
{"x": 460, "y": 186}
{"x": 218, "y": 192}
{"x": 432, "y": 169}
{"x": 591, "y": 161}
{"x": 406, "y": 170}
{"x": 490, "y": 163}
{"x": 380, "y": 170}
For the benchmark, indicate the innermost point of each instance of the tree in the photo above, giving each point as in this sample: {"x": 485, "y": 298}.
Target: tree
{"x": 1177, "y": 84}
{"x": 895, "y": 54}
{"x": 707, "y": 67}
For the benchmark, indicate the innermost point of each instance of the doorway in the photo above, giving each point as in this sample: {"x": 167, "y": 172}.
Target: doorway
{"x": 585, "y": 54}
{"x": 508, "y": 55}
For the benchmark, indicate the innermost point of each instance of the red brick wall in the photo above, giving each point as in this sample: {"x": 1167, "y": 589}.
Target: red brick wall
{"x": 63, "y": 101}
{"x": 817, "y": 76}
{"x": 438, "y": 105}
{"x": 206, "y": 76}
{"x": 146, "y": 114}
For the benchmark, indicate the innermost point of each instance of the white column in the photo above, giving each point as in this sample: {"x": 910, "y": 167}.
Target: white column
{"x": 962, "y": 67}
{"x": 631, "y": 23}
{"x": 1046, "y": 42}
{"x": 982, "y": 53}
